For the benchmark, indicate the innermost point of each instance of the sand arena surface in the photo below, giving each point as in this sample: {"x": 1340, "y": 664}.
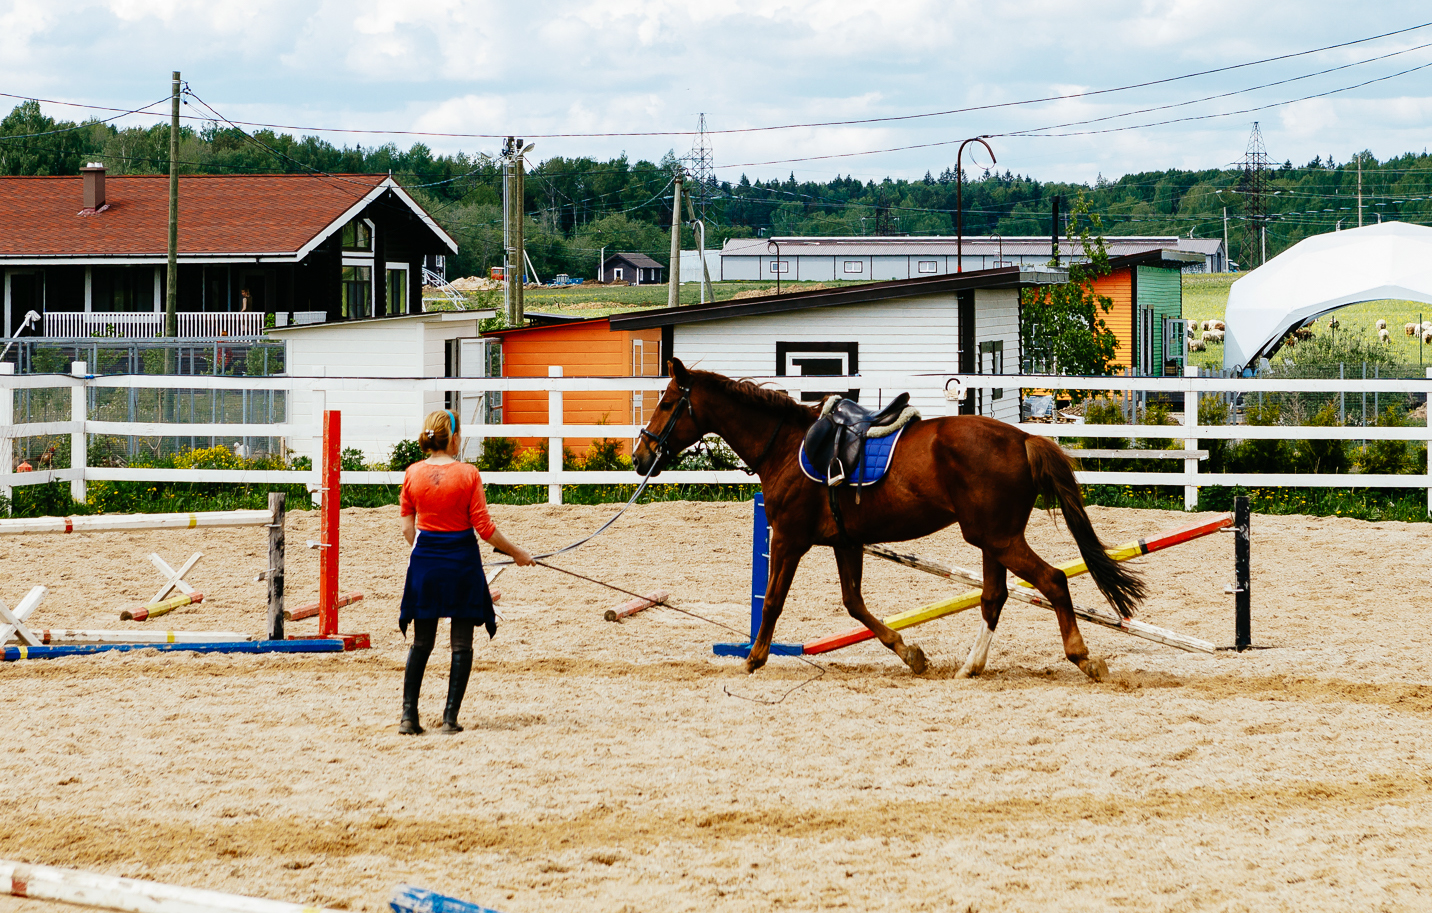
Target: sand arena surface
{"x": 606, "y": 769}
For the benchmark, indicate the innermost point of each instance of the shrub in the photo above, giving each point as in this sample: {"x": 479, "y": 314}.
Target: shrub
{"x": 217, "y": 457}
{"x": 1321, "y": 456}
{"x": 405, "y": 454}
{"x": 1261, "y": 456}
{"x": 351, "y": 460}
{"x": 605, "y": 455}
{"x": 1388, "y": 457}
{"x": 497, "y": 454}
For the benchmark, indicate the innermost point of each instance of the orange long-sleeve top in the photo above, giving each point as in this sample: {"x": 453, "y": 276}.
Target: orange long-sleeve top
{"x": 446, "y": 499}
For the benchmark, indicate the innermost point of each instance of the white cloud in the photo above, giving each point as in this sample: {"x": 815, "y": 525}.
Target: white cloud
{"x": 632, "y": 66}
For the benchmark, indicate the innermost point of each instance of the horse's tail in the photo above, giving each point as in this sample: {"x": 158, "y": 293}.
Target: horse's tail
{"x": 1054, "y": 479}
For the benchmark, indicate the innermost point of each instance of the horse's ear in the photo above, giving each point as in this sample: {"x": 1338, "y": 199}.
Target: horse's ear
{"x": 678, "y": 371}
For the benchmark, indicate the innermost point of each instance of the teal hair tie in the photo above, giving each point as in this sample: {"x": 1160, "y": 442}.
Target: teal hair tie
{"x": 452, "y": 421}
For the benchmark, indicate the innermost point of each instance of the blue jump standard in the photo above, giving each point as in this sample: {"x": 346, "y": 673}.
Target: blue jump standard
{"x": 55, "y": 651}
{"x": 760, "y": 571}
{"x": 408, "y": 899}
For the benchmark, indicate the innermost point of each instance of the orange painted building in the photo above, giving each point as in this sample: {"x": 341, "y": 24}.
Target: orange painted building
{"x": 583, "y": 348}
{"x": 1146, "y": 290}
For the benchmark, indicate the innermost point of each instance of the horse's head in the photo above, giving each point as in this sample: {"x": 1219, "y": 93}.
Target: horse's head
{"x": 672, "y": 427}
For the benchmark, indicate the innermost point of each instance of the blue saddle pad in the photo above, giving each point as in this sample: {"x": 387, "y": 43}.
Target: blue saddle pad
{"x": 874, "y": 463}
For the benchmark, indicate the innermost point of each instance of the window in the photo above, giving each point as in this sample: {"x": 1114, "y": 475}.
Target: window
{"x": 992, "y": 355}
{"x": 357, "y": 235}
{"x": 818, "y": 359}
{"x": 927, "y": 266}
{"x": 854, "y": 266}
{"x": 397, "y": 291}
{"x": 357, "y": 292}
{"x": 780, "y": 266}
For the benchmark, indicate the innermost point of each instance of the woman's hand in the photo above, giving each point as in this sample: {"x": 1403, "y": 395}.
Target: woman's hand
{"x": 520, "y": 556}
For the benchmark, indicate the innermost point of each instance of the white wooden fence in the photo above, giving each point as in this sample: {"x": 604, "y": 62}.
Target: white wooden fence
{"x": 883, "y": 387}
{"x": 150, "y": 324}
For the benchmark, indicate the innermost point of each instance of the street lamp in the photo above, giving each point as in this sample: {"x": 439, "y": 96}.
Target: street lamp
{"x": 959, "y": 198}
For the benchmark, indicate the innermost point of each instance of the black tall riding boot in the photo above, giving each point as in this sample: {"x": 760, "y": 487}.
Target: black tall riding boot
{"x": 412, "y": 684}
{"x": 457, "y": 687}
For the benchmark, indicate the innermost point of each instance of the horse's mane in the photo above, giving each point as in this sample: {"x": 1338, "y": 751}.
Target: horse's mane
{"x": 764, "y": 398}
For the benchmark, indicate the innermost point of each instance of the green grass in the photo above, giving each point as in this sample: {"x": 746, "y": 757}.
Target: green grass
{"x": 1205, "y": 297}
{"x": 605, "y": 300}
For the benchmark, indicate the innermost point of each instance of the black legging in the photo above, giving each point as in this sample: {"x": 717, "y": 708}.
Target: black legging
{"x": 425, "y": 637}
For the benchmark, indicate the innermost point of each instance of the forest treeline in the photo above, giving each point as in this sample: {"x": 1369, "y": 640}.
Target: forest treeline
{"x": 577, "y": 206}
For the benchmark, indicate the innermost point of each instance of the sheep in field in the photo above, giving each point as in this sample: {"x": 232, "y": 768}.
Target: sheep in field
{"x": 1303, "y": 334}
{"x": 1383, "y": 335}
{"x": 1196, "y": 346}
{"x": 1426, "y": 325}
{"x": 1427, "y": 337}
{"x": 1218, "y": 325}
{"x": 1410, "y": 329}
{"x": 1333, "y": 323}
{"x": 1382, "y": 324}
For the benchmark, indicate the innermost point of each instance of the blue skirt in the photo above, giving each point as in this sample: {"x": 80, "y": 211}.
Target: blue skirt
{"x": 445, "y": 580}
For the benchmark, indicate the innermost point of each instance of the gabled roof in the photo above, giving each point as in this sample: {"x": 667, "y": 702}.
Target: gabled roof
{"x": 274, "y": 216}
{"x": 551, "y": 325}
{"x": 641, "y": 260}
{"x": 1003, "y": 277}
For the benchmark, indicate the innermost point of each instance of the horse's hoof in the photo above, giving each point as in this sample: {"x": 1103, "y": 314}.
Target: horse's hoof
{"x": 915, "y": 659}
{"x": 966, "y": 671}
{"x": 752, "y": 664}
{"x": 1095, "y": 669}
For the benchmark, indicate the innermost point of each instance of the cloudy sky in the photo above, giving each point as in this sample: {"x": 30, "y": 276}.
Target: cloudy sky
{"x": 652, "y": 66}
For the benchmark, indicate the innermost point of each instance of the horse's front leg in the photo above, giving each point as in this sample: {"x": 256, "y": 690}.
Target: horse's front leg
{"x": 851, "y": 562}
{"x": 784, "y": 560}
{"x": 992, "y": 599}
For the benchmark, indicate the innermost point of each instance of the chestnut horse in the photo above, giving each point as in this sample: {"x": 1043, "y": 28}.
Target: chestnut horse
{"x": 978, "y": 472}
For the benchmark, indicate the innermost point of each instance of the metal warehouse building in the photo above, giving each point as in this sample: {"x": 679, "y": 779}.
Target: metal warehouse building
{"x": 886, "y": 258}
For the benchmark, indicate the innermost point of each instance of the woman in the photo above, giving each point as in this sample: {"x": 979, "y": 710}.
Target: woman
{"x": 442, "y": 499}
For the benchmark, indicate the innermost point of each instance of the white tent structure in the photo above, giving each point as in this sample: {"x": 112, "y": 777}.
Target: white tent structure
{"x": 1320, "y": 274}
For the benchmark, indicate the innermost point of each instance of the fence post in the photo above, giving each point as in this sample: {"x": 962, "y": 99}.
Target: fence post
{"x": 554, "y": 444}
{"x": 1190, "y": 421}
{"x": 1428, "y": 406}
{"x": 274, "y": 574}
{"x": 1243, "y": 575}
{"x": 7, "y": 417}
{"x": 79, "y": 441}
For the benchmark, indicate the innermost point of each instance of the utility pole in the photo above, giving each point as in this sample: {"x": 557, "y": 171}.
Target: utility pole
{"x": 698, "y": 226}
{"x": 1225, "y": 240}
{"x": 1054, "y": 229}
{"x": 673, "y": 272}
{"x": 1359, "y": 190}
{"x": 514, "y": 250}
{"x": 171, "y": 285}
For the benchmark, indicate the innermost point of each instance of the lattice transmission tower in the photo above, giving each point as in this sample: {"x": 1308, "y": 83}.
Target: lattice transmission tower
{"x": 701, "y": 169}
{"x": 1253, "y": 185}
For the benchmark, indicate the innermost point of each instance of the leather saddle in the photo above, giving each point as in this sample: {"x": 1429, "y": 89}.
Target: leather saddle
{"x": 837, "y": 439}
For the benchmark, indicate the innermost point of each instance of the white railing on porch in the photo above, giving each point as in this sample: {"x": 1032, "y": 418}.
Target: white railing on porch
{"x": 149, "y": 325}
{"x": 555, "y": 430}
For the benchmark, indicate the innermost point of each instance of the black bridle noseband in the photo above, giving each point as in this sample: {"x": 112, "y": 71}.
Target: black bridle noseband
{"x": 658, "y": 441}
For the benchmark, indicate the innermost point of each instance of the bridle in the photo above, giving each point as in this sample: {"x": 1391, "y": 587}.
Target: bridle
{"x": 658, "y": 441}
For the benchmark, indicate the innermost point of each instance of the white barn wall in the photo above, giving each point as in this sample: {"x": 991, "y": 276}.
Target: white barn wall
{"x": 997, "y": 318}
{"x": 372, "y": 422}
{"x": 911, "y": 336}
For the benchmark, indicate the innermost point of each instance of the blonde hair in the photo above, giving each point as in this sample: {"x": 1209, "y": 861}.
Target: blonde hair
{"x": 438, "y": 430}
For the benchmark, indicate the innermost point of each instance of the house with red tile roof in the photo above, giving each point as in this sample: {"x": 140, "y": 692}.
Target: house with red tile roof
{"x": 89, "y": 252}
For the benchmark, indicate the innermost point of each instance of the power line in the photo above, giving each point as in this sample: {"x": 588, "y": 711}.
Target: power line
{"x": 813, "y": 124}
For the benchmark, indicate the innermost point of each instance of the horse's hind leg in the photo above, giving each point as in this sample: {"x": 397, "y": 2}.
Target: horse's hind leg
{"x": 851, "y": 563}
{"x": 992, "y": 599}
{"x": 1050, "y": 581}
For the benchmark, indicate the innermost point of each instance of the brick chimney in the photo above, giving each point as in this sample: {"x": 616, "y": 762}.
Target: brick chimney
{"x": 93, "y": 175}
